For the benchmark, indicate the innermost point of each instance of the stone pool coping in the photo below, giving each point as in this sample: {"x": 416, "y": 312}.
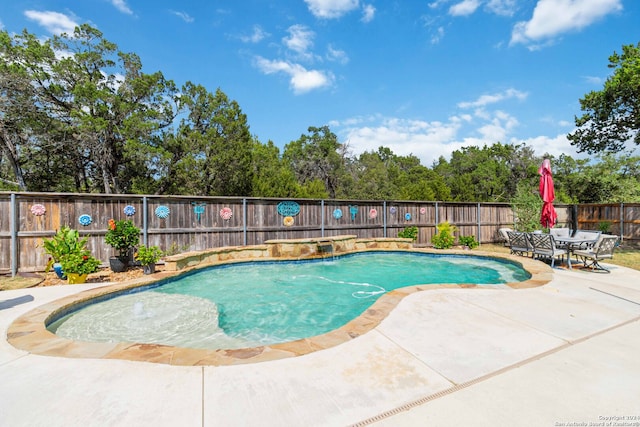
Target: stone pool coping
{"x": 28, "y": 332}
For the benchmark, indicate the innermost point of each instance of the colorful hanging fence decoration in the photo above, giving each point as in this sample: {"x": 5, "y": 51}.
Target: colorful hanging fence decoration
{"x": 38, "y": 209}
{"x": 353, "y": 210}
{"x": 407, "y": 216}
{"x": 129, "y": 210}
{"x": 373, "y": 213}
{"x": 198, "y": 209}
{"x": 162, "y": 212}
{"x": 423, "y": 211}
{"x": 85, "y": 220}
{"x": 288, "y": 221}
{"x": 226, "y": 213}
{"x": 392, "y": 210}
{"x": 337, "y": 213}
{"x": 288, "y": 208}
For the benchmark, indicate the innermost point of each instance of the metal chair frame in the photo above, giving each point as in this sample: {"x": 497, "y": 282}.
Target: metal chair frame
{"x": 601, "y": 250}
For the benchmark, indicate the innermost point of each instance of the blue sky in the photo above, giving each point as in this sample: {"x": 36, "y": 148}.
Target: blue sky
{"x": 420, "y": 77}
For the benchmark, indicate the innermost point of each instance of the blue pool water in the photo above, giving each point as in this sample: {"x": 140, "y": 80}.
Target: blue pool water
{"x": 257, "y": 303}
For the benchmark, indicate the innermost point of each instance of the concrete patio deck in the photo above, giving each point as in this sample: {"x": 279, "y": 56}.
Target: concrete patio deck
{"x": 567, "y": 352}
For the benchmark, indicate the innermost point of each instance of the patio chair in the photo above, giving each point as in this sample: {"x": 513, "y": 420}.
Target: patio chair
{"x": 519, "y": 243}
{"x": 560, "y": 232}
{"x": 590, "y": 235}
{"x": 602, "y": 249}
{"x": 544, "y": 246}
{"x": 502, "y": 232}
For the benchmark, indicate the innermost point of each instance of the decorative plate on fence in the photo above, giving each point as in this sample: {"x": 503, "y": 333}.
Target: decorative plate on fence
{"x": 373, "y": 213}
{"x": 288, "y": 208}
{"x": 407, "y": 216}
{"x": 226, "y": 213}
{"x": 162, "y": 212}
{"x": 85, "y": 219}
{"x": 423, "y": 211}
{"x": 337, "y": 213}
{"x": 288, "y": 221}
{"x": 38, "y": 209}
{"x": 353, "y": 210}
{"x": 392, "y": 209}
{"x": 198, "y": 209}
{"x": 129, "y": 210}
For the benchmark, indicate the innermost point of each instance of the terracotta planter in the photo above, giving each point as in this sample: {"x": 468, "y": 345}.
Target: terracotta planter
{"x": 75, "y": 278}
{"x": 149, "y": 269}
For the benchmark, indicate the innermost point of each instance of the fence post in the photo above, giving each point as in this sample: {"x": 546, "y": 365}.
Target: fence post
{"x": 621, "y": 222}
{"x": 244, "y": 221}
{"x": 437, "y": 216}
{"x": 384, "y": 218}
{"x": 13, "y": 230}
{"x": 479, "y": 225}
{"x": 145, "y": 222}
{"x": 322, "y": 218}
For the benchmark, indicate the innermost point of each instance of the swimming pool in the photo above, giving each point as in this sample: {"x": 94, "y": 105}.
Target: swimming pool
{"x": 261, "y": 303}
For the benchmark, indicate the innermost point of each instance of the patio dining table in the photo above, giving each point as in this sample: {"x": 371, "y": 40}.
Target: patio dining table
{"x": 571, "y": 244}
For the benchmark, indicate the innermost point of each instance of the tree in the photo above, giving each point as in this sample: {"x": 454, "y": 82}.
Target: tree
{"x": 210, "y": 153}
{"x": 271, "y": 177}
{"x": 73, "y": 107}
{"x": 318, "y": 156}
{"x": 612, "y": 115}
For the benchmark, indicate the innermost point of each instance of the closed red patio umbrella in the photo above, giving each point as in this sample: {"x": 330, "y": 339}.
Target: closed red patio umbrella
{"x": 548, "y": 216}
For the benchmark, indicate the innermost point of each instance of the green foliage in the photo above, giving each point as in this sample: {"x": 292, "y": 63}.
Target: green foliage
{"x": 317, "y": 157}
{"x": 122, "y": 235}
{"x": 409, "y": 233}
{"x": 487, "y": 174}
{"x": 468, "y": 241}
{"x": 148, "y": 254}
{"x": 79, "y": 263}
{"x": 66, "y": 241}
{"x": 527, "y": 206}
{"x": 604, "y": 227}
{"x": 612, "y": 115}
{"x": 444, "y": 238}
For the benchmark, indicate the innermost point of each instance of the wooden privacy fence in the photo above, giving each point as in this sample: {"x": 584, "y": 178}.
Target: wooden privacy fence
{"x": 181, "y": 223}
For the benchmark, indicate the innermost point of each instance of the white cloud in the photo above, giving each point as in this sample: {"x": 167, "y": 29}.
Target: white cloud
{"x": 553, "y": 145}
{"x": 300, "y": 40}
{"x": 554, "y": 17}
{"x": 337, "y": 55}
{"x": 439, "y": 34}
{"x": 502, "y": 7}
{"x": 464, "y": 8}
{"x": 256, "y": 36}
{"x": 54, "y": 22}
{"x": 121, "y": 5}
{"x": 301, "y": 80}
{"x": 368, "y": 13}
{"x": 493, "y": 98}
{"x": 183, "y": 15}
{"x": 328, "y": 9}
{"x": 425, "y": 140}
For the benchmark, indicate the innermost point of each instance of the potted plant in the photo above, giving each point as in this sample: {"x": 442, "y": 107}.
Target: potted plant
{"x": 148, "y": 256}
{"x": 78, "y": 265}
{"x": 66, "y": 241}
{"x": 122, "y": 235}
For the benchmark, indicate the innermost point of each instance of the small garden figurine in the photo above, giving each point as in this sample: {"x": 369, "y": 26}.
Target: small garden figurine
{"x": 148, "y": 256}
{"x": 122, "y": 235}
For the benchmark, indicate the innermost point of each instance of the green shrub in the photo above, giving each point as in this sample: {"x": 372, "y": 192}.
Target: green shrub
{"x": 409, "y": 233}
{"x": 444, "y": 238}
{"x": 469, "y": 241}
